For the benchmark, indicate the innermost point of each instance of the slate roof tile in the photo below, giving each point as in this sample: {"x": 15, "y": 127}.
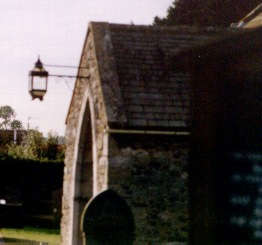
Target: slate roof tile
{"x": 154, "y": 93}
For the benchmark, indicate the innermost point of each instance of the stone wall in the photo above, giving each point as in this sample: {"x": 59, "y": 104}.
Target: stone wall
{"x": 84, "y": 135}
{"x": 87, "y": 140}
{"x": 150, "y": 173}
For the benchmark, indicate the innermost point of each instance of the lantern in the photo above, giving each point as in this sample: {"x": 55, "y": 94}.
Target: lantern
{"x": 38, "y": 81}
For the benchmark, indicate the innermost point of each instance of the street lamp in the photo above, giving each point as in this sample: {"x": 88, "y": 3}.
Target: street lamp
{"x": 38, "y": 79}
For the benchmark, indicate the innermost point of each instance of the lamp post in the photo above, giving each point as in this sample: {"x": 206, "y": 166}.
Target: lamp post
{"x": 38, "y": 79}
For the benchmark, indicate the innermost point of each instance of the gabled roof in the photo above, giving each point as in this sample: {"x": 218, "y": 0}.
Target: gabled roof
{"x": 153, "y": 91}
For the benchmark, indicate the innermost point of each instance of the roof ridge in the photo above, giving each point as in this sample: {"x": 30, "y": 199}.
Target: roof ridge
{"x": 170, "y": 28}
{"x": 175, "y": 28}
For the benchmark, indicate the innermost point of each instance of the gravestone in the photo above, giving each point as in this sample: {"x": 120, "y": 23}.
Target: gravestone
{"x": 107, "y": 220}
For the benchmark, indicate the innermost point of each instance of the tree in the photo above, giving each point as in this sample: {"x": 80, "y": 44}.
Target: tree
{"x": 6, "y": 115}
{"x": 7, "y": 118}
{"x": 32, "y": 146}
{"x": 16, "y": 124}
{"x": 36, "y": 147}
{"x": 206, "y": 12}
{"x": 54, "y": 150}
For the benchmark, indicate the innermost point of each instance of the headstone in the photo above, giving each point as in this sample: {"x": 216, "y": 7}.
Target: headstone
{"x": 107, "y": 220}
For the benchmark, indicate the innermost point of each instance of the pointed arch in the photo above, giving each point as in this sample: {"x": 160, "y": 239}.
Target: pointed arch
{"x": 83, "y": 166}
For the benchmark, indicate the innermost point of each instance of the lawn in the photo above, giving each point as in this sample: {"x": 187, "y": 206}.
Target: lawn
{"x": 34, "y": 234}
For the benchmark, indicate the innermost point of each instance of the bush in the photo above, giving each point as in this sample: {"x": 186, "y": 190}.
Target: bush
{"x": 36, "y": 147}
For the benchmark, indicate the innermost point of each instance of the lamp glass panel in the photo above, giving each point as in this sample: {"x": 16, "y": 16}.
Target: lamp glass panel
{"x": 39, "y": 83}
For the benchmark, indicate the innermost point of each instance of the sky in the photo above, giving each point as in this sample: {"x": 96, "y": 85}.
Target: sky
{"x": 54, "y": 30}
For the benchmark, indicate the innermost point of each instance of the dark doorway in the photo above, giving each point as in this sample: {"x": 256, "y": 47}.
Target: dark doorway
{"x": 107, "y": 219}
{"x": 83, "y": 173}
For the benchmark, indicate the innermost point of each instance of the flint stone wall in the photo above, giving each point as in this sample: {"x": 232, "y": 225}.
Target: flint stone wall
{"x": 150, "y": 173}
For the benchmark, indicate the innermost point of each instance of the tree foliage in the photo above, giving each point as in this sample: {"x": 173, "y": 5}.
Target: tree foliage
{"x": 7, "y": 118}
{"x": 206, "y": 12}
{"x": 36, "y": 147}
{"x": 6, "y": 115}
{"x": 54, "y": 149}
{"x": 16, "y": 124}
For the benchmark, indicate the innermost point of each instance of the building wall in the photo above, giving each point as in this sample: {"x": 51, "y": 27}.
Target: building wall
{"x": 150, "y": 173}
{"x": 72, "y": 139}
{"x": 85, "y": 172}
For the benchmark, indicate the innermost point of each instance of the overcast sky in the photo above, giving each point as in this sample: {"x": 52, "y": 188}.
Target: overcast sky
{"x": 55, "y": 30}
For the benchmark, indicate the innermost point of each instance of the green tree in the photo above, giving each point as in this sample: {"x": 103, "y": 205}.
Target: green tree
{"x": 7, "y": 118}
{"x": 206, "y": 12}
{"x": 7, "y": 122}
{"x": 54, "y": 149}
{"x": 36, "y": 147}
{"x": 32, "y": 146}
{"x": 16, "y": 124}
{"x": 6, "y": 115}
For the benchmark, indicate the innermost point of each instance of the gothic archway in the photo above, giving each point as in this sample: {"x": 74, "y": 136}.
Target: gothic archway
{"x": 107, "y": 220}
{"x": 83, "y": 176}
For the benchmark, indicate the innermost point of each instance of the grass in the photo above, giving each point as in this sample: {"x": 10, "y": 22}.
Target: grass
{"x": 34, "y": 234}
